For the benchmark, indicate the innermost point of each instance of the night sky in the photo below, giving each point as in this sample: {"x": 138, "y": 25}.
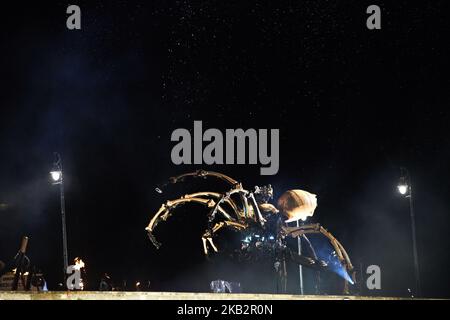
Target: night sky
{"x": 353, "y": 105}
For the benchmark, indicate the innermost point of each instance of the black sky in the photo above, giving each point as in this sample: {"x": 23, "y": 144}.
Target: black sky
{"x": 352, "y": 106}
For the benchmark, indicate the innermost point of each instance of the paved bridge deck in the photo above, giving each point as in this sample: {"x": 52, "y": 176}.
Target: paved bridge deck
{"x": 92, "y": 295}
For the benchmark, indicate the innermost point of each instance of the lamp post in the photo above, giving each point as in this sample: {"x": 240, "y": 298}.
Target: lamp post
{"x": 405, "y": 188}
{"x": 57, "y": 179}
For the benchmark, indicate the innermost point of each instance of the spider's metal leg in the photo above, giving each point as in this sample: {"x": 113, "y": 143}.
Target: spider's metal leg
{"x": 307, "y": 261}
{"x": 218, "y": 197}
{"x": 205, "y": 246}
{"x": 337, "y": 246}
{"x": 203, "y": 174}
{"x": 212, "y": 213}
{"x": 260, "y": 218}
{"x": 153, "y": 239}
{"x": 343, "y": 257}
{"x": 233, "y": 225}
{"x": 207, "y": 240}
{"x": 226, "y": 197}
{"x": 164, "y": 211}
{"x": 342, "y": 254}
{"x": 210, "y": 240}
{"x": 162, "y": 214}
{"x": 208, "y": 235}
{"x": 247, "y": 211}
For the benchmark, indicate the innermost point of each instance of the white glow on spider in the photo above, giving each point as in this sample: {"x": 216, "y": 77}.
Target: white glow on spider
{"x": 56, "y": 175}
{"x": 247, "y": 239}
{"x": 402, "y": 188}
{"x": 300, "y": 214}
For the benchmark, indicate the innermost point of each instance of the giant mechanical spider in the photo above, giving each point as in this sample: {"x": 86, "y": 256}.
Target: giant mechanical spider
{"x": 251, "y": 214}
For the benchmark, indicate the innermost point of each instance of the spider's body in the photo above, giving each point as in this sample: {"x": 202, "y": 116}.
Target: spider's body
{"x": 263, "y": 226}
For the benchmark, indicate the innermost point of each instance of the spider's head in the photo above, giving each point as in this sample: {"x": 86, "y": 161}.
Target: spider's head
{"x": 264, "y": 194}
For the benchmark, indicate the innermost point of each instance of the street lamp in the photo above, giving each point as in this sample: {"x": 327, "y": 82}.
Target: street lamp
{"x": 405, "y": 188}
{"x": 57, "y": 179}
{"x": 402, "y": 186}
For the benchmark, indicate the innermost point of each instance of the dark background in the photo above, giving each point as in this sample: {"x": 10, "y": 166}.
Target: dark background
{"x": 352, "y": 106}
